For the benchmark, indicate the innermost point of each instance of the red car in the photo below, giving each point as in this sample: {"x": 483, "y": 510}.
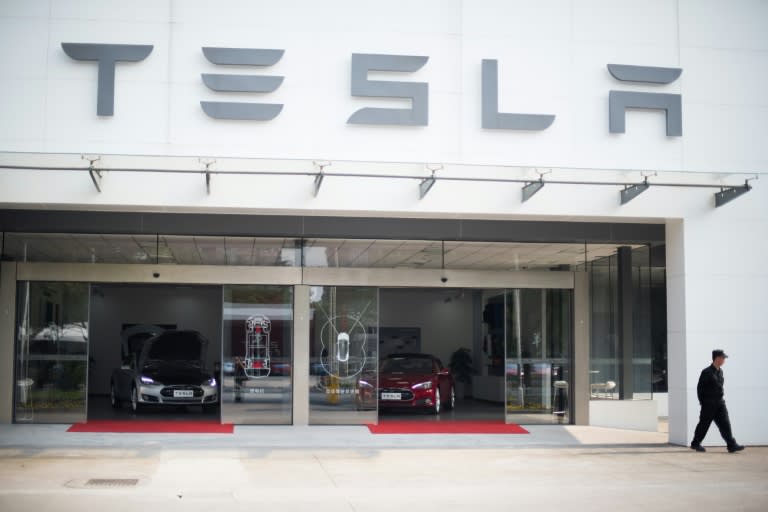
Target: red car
{"x": 417, "y": 381}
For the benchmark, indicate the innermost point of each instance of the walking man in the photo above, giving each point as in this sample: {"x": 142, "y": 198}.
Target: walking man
{"x": 710, "y": 392}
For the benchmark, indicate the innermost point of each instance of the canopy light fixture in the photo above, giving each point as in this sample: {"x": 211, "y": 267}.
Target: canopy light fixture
{"x": 728, "y": 194}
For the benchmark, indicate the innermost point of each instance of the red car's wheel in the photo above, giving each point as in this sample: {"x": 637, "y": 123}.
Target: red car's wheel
{"x": 452, "y": 399}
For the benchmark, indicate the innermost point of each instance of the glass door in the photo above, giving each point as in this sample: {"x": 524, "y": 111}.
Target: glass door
{"x": 257, "y": 341}
{"x": 51, "y": 352}
{"x": 538, "y": 335}
{"x": 343, "y": 351}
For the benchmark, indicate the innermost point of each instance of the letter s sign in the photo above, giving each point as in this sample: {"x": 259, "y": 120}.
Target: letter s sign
{"x": 418, "y": 92}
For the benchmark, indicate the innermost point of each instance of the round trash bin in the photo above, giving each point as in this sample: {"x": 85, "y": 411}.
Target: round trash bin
{"x": 560, "y": 405}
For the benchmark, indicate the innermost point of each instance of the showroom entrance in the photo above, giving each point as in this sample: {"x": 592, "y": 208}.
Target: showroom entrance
{"x": 127, "y": 378}
{"x": 442, "y": 354}
{"x": 505, "y": 353}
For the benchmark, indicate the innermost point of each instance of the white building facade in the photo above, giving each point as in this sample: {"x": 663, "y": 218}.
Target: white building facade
{"x": 347, "y": 110}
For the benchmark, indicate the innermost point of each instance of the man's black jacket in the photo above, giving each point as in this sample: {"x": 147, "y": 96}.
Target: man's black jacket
{"x": 710, "y": 388}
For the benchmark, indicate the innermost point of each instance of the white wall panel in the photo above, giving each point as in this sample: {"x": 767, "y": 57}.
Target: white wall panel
{"x": 725, "y": 77}
{"x": 22, "y": 103}
{"x": 23, "y": 47}
{"x": 111, "y": 10}
{"x": 736, "y": 24}
{"x": 25, "y": 8}
{"x": 651, "y": 22}
{"x": 725, "y": 138}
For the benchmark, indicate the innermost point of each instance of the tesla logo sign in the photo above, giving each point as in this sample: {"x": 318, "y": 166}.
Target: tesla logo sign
{"x": 107, "y": 57}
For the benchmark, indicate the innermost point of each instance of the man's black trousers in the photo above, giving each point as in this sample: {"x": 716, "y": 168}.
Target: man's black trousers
{"x": 718, "y": 413}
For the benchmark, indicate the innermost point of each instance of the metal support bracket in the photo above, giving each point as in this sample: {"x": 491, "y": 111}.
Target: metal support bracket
{"x": 427, "y": 183}
{"x": 319, "y": 176}
{"x": 728, "y": 194}
{"x": 207, "y": 172}
{"x": 93, "y": 172}
{"x": 632, "y": 191}
{"x": 531, "y": 187}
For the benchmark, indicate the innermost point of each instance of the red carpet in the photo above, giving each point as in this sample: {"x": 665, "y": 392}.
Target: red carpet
{"x": 153, "y": 427}
{"x": 448, "y": 427}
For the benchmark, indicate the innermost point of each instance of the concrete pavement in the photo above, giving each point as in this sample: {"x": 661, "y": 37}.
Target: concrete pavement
{"x": 346, "y": 468}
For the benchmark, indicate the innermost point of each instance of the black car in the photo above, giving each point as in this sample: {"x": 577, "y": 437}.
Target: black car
{"x": 167, "y": 369}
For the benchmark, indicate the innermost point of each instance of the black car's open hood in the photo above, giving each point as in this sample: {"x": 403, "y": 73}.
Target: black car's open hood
{"x": 133, "y": 338}
{"x": 180, "y": 347}
{"x": 175, "y": 372}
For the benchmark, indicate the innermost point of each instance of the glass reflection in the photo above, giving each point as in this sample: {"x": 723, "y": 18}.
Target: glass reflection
{"x": 257, "y": 341}
{"x": 343, "y": 355}
{"x": 51, "y": 352}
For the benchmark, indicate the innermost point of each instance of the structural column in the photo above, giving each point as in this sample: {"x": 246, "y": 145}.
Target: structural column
{"x": 7, "y": 334}
{"x": 624, "y": 323}
{"x": 581, "y": 335}
{"x": 300, "y": 371}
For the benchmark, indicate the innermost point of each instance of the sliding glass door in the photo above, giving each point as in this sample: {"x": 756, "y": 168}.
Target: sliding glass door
{"x": 51, "y": 352}
{"x": 343, "y": 352}
{"x": 257, "y": 340}
{"x": 538, "y": 335}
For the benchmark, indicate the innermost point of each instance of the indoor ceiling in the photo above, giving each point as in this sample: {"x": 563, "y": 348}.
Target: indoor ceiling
{"x": 252, "y": 251}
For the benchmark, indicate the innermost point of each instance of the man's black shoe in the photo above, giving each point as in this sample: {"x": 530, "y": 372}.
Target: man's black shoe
{"x": 735, "y": 448}
{"x": 700, "y": 448}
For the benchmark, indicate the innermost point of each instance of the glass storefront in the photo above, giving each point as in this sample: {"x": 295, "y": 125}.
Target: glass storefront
{"x": 343, "y": 352}
{"x": 51, "y": 352}
{"x": 649, "y": 322}
{"x": 256, "y": 355}
{"x": 520, "y": 340}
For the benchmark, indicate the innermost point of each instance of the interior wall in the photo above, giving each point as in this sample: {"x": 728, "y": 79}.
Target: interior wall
{"x": 445, "y": 317}
{"x": 188, "y": 307}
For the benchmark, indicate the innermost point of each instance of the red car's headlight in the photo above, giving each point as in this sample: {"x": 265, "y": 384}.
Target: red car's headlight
{"x": 423, "y": 385}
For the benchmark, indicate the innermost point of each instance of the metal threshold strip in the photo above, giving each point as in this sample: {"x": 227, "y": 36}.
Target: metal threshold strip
{"x": 112, "y": 482}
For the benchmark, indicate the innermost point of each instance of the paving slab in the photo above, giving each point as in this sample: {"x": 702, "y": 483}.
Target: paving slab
{"x": 318, "y": 469}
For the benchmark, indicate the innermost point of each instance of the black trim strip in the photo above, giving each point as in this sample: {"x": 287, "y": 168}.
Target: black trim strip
{"x": 128, "y": 223}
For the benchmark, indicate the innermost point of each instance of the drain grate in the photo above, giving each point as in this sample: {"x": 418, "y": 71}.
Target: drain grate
{"x": 112, "y": 482}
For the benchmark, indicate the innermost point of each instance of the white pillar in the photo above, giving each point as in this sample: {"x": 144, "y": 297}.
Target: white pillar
{"x": 717, "y": 297}
{"x": 580, "y": 391}
{"x": 677, "y": 365}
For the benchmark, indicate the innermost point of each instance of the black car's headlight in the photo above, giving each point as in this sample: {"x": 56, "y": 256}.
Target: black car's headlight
{"x": 149, "y": 380}
{"x": 211, "y": 382}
